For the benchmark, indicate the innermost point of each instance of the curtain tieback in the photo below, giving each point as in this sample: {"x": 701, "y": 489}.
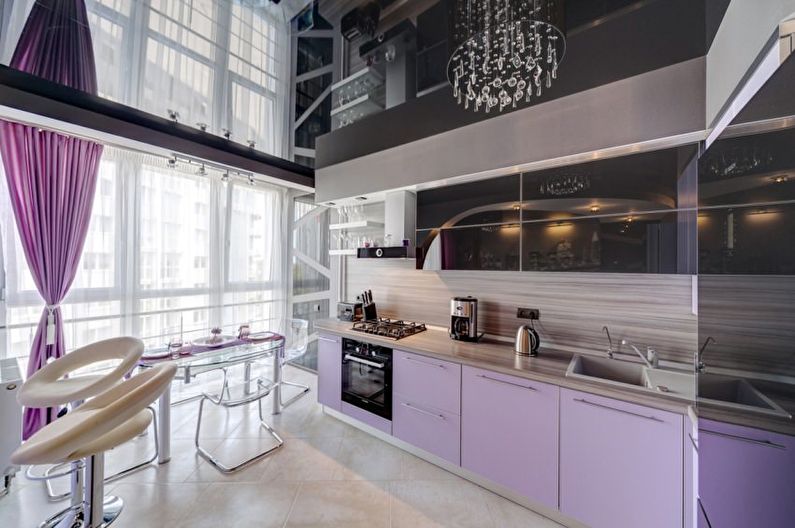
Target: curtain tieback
{"x": 51, "y": 323}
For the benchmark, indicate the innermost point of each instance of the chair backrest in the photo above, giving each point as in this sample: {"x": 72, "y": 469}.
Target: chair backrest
{"x": 296, "y": 338}
{"x": 128, "y": 349}
{"x": 96, "y": 417}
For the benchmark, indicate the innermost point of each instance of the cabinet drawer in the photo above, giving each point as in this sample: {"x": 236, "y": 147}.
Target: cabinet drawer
{"x": 431, "y": 382}
{"x": 433, "y": 430}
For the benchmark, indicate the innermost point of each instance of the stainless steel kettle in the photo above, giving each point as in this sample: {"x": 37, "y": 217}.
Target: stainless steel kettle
{"x": 527, "y": 341}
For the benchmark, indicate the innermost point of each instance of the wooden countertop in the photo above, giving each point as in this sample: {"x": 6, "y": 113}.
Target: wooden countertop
{"x": 549, "y": 366}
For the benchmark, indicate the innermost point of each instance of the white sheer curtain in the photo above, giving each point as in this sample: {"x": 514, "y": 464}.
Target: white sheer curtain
{"x": 221, "y": 63}
{"x": 166, "y": 248}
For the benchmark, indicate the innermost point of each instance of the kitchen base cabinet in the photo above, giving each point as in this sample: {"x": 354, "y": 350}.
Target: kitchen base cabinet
{"x": 746, "y": 476}
{"x": 509, "y": 433}
{"x": 620, "y": 463}
{"x": 329, "y": 371}
{"x": 433, "y": 430}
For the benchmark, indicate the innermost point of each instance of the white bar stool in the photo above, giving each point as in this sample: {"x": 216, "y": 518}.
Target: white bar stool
{"x": 49, "y": 387}
{"x": 104, "y": 422}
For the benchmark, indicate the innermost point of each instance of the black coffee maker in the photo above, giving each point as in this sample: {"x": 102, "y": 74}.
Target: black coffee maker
{"x": 464, "y": 319}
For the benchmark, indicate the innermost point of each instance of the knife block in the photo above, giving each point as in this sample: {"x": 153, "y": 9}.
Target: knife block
{"x": 370, "y": 313}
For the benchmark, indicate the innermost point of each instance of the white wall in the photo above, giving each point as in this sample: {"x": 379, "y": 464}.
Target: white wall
{"x": 746, "y": 27}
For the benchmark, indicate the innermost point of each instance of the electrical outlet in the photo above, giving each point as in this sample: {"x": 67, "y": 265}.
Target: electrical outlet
{"x": 528, "y": 313}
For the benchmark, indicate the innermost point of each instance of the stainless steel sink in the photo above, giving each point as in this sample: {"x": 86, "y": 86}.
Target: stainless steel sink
{"x": 607, "y": 370}
{"x": 735, "y": 393}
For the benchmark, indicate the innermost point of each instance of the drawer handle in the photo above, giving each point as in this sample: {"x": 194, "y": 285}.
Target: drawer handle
{"x": 327, "y": 339}
{"x": 437, "y": 365}
{"x": 586, "y": 402}
{"x": 423, "y": 411}
{"x": 764, "y": 443}
{"x": 507, "y": 382}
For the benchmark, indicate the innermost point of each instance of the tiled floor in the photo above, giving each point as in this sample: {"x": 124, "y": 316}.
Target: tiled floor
{"x": 328, "y": 474}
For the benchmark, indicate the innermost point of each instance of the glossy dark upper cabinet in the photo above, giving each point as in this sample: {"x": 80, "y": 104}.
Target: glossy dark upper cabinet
{"x": 753, "y": 239}
{"x": 645, "y": 243}
{"x": 633, "y": 214}
{"x": 492, "y": 201}
{"x": 751, "y": 169}
{"x": 650, "y": 181}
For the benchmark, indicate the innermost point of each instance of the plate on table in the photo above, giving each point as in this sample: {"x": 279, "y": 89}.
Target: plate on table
{"x": 260, "y": 337}
{"x": 156, "y": 353}
{"x": 214, "y": 341}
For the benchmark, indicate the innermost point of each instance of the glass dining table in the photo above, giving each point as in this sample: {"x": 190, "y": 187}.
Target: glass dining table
{"x": 194, "y": 360}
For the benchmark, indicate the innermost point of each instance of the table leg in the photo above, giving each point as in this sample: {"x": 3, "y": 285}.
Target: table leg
{"x": 277, "y": 380}
{"x": 247, "y": 378}
{"x": 164, "y": 425}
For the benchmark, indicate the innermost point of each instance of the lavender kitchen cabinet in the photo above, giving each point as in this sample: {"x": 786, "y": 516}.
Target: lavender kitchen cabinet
{"x": 620, "y": 463}
{"x": 427, "y": 404}
{"x": 509, "y": 433}
{"x": 746, "y": 476}
{"x": 329, "y": 371}
{"x": 427, "y": 380}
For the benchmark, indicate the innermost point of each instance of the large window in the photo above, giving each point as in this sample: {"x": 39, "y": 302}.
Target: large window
{"x": 220, "y": 63}
{"x": 166, "y": 248}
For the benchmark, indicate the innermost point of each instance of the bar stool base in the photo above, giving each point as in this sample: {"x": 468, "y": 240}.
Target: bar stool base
{"x": 74, "y": 516}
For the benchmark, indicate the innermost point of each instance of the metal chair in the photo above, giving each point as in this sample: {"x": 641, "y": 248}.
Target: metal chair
{"x": 296, "y": 342}
{"x": 224, "y": 399}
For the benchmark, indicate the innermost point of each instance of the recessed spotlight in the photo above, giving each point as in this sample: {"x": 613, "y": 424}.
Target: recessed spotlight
{"x": 781, "y": 178}
{"x": 516, "y": 207}
{"x": 361, "y": 198}
{"x": 595, "y": 209}
{"x": 251, "y": 179}
{"x": 331, "y": 204}
{"x": 630, "y": 219}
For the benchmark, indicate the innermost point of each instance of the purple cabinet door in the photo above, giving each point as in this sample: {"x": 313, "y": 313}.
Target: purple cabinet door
{"x": 329, "y": 371}
{"x": 509, "y": 433}
{"x": 746, "y": 476}
{"x": 433, "y": 430}
{"x": 427, "y": 380}
{"x": 620, "y": 463}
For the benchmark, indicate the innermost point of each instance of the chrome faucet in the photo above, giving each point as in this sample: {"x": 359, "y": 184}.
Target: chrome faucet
{"x": 700, "y": 365}
{"x": 650, "y": 358}
{"x": 609, "y": 342}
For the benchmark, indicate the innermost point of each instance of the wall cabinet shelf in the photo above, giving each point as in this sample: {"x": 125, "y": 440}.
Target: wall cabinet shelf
{"x": 361, "y": 224}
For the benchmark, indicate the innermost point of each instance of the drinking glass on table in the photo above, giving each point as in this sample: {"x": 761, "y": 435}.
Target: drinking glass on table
{"x": 174, "y": 346}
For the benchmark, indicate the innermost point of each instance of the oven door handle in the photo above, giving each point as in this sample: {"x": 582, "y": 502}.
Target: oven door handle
{"x": 364, "y": 361}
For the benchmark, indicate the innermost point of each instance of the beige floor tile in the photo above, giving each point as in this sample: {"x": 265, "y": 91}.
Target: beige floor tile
{"x": 155, "y": 504}
{"x": 317, "y": 423}
{"x": 364, "y": 457}
{"x": 507, "y": 514}
{"x": 242, "y": 505}
{"x": 184, "y": 462}
{"x": 304, "y": 459}
{"x": 27, "y": 505}
{"x": 436, "y": 503}
{"x": 341, "y": 505}
{"x": 415, "y": 468}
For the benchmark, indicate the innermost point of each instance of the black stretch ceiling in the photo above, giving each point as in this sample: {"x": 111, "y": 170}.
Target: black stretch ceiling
{"x": 608, "y": 40}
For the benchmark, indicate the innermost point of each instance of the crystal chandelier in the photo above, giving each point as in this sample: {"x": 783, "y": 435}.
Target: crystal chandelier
{"x": 564, "y": 184}
{"x": 506, "y": 50}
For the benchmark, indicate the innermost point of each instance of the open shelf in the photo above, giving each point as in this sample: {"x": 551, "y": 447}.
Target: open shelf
{"x": 361, "y": 224}
{"x": 344, "y": 252}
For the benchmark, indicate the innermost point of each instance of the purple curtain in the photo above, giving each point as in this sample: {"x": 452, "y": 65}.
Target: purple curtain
{"x": 51, "y": 177}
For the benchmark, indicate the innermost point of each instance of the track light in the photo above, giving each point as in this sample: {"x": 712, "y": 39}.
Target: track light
{"x": 251, "y": 179}
{"x": 225, "y": 177}
{"x": 202, "y": 171}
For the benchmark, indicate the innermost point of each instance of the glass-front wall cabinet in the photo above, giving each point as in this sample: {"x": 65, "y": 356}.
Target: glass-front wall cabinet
{"x": 631, "y": 214}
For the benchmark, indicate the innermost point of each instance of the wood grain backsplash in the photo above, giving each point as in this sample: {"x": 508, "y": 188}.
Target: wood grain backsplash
{"x": 646, "y": 309}
{"x": 752, "y": 318}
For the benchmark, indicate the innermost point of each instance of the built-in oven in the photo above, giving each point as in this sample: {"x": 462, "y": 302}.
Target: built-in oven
{"x": 367, "y": 377}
